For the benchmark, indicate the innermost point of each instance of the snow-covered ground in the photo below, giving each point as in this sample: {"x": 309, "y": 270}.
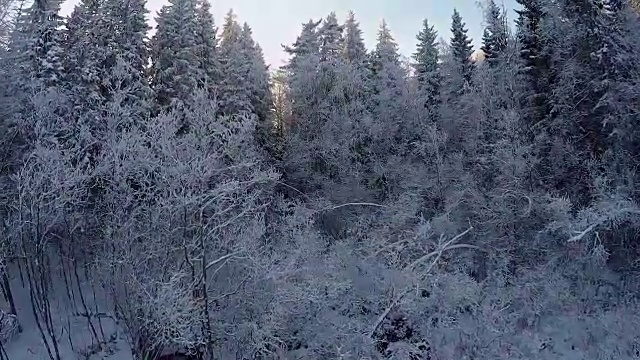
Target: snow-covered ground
{"x": 73, "y": 333}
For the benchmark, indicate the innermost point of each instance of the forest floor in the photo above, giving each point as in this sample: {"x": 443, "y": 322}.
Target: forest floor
{"x": 74, "y": 335}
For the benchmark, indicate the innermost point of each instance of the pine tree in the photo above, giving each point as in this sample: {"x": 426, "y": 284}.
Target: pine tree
{"x": 235, "y": 65}
{"x": 354, "y": 49}
{"x": 331, "y": 39}
{"x": 257, "y": 83}
{"x": 208, "y": 46}
{"x": 36, "y": 46}
{"x": 495, "y": 36}
{"x": 425, "y": 64}
{"x": 385, "y": 58}
{"x": 461, "y": 47}
{"x": 307, "y": 44}
{"x": 388, "y": 83}
{"x": 386, "y": 50}
{"x": 176, "y": 70}
{"x": 600, "y": 68}
{"x": 129, "y": 50}
{"x": 535, "y": 62}
{"x": 106, "y": 57}
{"x": 302, "y": 68}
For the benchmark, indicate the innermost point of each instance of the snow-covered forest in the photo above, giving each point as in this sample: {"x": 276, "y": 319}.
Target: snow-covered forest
{"x": 173, "y": 194}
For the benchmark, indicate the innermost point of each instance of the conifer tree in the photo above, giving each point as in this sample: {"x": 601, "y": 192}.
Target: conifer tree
{"x": 79, "y": 36}
{"x": 331, "y": 39}
{"x": 388, "y": 84}
{"x": 461, "y": 47}
{"x": 175, "y": 69}
{"x": 385, "y": 61}
{"x": 208, "y": 46}
{"x": 306, "y": 44}
{"x": 535, "y": 62}
{"x": 426, "y": 58}
{"x": 585, "y": 50}
{"x": 129, "y": 54}
{"x": 355, "y": 54}
{"x": 495, "y": 36}
{"x": 600, "y": 68}
{"x": 106, "y": 58}
{"x": 386, "y": 50}
{"x": 235, "y": 65}
{"x": 354, "y": 50}
{"x": 257, "y": 83}
{"x": 302, "y": 67}
{"x": 36, "y": 46}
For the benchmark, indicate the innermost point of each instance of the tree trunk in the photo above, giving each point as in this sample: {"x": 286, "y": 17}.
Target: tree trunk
{"x": 12, "y": 305}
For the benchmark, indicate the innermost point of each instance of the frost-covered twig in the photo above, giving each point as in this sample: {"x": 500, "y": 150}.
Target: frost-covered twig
{"x": 351, "y": 204}
{"x": 214, "y": 262}
{"x": 386, "y": 312}
{"x": 579, "y": 235}
{"x": 441, "y": 249}
{"x": 438, "y": 253}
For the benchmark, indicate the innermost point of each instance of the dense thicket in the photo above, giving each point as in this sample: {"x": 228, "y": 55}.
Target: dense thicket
{"x": 349, "y": 205}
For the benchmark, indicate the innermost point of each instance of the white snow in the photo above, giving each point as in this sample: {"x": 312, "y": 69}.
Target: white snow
{"x": 73, "y": 334}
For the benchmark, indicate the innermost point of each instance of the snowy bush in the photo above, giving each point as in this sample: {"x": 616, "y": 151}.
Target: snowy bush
{"x": 180, "y": 212}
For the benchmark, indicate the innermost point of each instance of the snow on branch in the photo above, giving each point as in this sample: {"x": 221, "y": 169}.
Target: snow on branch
{"x": 606, "y": 216}
{"x": 449, "y": 245}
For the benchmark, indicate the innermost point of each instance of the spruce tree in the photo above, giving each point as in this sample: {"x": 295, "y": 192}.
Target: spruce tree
{"x": 80, "y": 43}
{"x": 129, "y": 54}
{"x": 257, "y": 83}
{"x": 301, "y": 69}
{"x": 331, "y": 39}
{"x": 388, "y": 81}
{"x": 33, "y": 65}
{"x": 495, "y": 36}
{"x": 231, "y": 31}
{"x": 385, "y": 56}
{"x": 207, "y": 40}
{"x": 176, "y": 70}
{"x": 306, "y": 44}
{"x": 235, "y": 65}
{"x": 535, "y": 61}
{"x": 600, "y": 68}
{"x": 257, "y": 77}
{"x": 36, "y": 46}
{"x": 106, "y": 57}
{"x": 354, "y": 49}
{"x": 355, "y": 54}
{"x": 461, "y": 47}
{"x": 386, "y": 50}
{"x": 425, "y": 65}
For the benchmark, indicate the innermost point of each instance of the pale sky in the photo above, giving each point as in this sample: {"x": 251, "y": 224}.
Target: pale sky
{"x": 276, "y": 22}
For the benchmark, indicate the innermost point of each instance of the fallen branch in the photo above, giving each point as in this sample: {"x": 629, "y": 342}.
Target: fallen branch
{"x": 442, "y": 248}
{"x": 386, "y": 312}
{"x": 351, "y": 204}
{"x": 581, "y": 234}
